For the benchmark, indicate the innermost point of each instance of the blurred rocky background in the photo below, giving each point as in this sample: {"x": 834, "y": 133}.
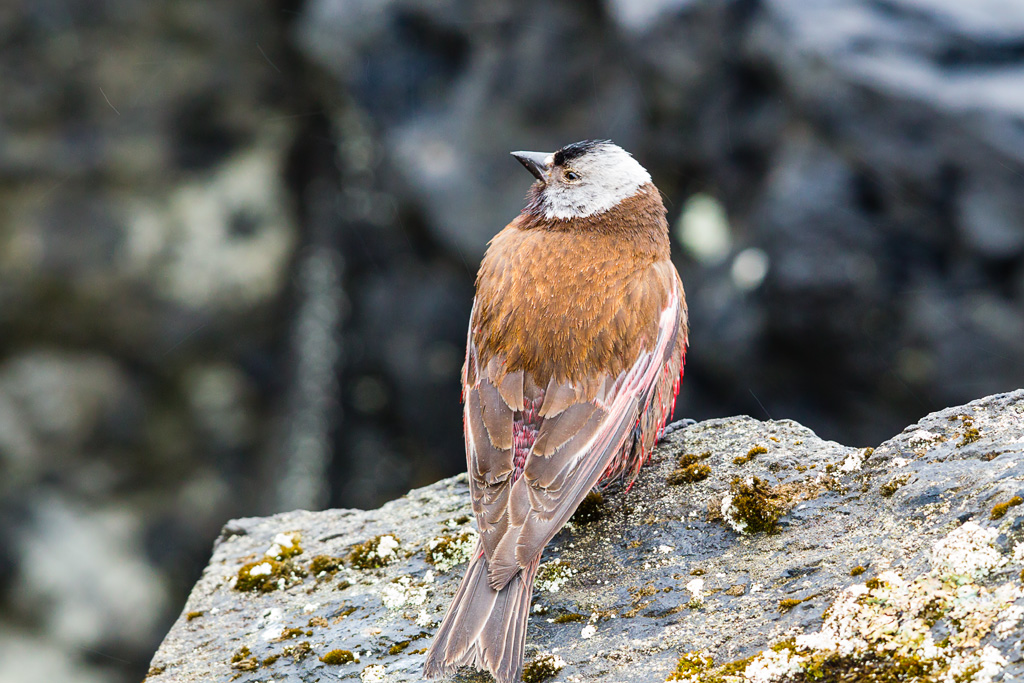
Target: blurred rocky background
{"x": 238, "y": 240}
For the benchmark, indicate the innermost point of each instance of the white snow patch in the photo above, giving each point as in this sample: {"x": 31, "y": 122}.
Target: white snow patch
{"x": 386, "y": 547}
{"x": 696, "y": 589}
{"x": 261, "y": 569}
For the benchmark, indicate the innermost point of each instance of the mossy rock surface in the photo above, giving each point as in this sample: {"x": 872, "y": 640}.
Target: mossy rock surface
{"x": 660, "y": 574}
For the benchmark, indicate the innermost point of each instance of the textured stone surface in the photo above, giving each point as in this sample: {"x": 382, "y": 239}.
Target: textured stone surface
{"x": 659, "y": 573}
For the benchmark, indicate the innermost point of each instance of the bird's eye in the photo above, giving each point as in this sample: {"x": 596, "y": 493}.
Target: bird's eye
{"x": 571, "y": 175}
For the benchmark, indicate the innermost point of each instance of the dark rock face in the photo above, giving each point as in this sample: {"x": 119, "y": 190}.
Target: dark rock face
{"x": 146, "y": 240}
{"x": 874, "y": 557}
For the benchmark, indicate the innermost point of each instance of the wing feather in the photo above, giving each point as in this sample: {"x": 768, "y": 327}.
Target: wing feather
{"x": 584, "y": 427}
{"x": 574, "y": 448}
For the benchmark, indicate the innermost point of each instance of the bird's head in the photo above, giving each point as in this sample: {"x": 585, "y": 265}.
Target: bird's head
{"x": 582, "y": 179}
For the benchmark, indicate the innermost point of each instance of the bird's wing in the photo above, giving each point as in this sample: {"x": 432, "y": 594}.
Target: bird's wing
{"x": 583, "y": 428}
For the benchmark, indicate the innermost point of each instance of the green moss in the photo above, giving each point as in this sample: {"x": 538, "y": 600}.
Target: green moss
{"x": 541, "y": 669}
{"x": 299, "y": 651}
{"x": 970, "y": 434}
{"x": 893, "y": 485}
{"x": 269, "y": 661}
{"x": 345, "y": 612}
{"x": 243, "y": 660}
{"x": 689, "y": 665}
{"x": 933, "y": 611}
{"x": 874, "y": 584}
{"x": 397, "y": 648}
{"x": 784, "y": 645}
{"x": 690, "y": 469}
{"x": 590, "y": 509}
{"x": 370, "y": 554}
{"x": 289, "y": 633}
{"x": 325, "y": 565}
{"x": 751, "y": 454}
{"x": 552, "y": 575}
{"x": 266, "y": 575}
{"x": 871, "y": 667}
{"x": 752, "y": 506}
{"x": 789, "y": 603}
{"x": 999, "y": 511}
{"x": 687, "y": 459}
{"x": 194, "y": 615}
{"x": 857, "y": 571}
{"x": 569, "y": 618}
{"x": 290, "y": 548}
{"x": 155, "y": 671}
{"x": 689, "y": 474}
{"x": 731, "y": 669}
{"x": 336, "y": 657}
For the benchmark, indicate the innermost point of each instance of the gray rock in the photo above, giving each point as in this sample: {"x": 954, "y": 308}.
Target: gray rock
{"x": 908, "y": 531}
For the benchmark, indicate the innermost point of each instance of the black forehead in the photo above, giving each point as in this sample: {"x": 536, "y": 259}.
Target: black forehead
{"x": 576, "y": 150}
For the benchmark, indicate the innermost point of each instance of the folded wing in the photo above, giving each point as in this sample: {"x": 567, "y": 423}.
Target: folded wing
{"x": 579, "y": 428}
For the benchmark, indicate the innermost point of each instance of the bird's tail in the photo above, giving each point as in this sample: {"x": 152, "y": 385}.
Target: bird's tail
{"x": 484, "y": 628}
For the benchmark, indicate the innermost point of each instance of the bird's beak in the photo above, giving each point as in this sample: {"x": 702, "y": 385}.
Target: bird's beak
{"x": 535, "y": 162}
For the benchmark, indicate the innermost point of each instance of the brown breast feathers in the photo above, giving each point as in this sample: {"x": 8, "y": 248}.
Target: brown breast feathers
{"x": 572, "y": 299}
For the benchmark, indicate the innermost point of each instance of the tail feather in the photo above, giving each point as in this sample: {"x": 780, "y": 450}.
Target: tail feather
{"x": 484, "y": 628}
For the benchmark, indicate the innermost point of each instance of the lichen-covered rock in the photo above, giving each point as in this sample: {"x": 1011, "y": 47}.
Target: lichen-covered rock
{"x": 918, "y": 583}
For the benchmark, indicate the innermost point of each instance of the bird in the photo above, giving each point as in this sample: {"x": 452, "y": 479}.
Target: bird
{"x": 574, "y": 357}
